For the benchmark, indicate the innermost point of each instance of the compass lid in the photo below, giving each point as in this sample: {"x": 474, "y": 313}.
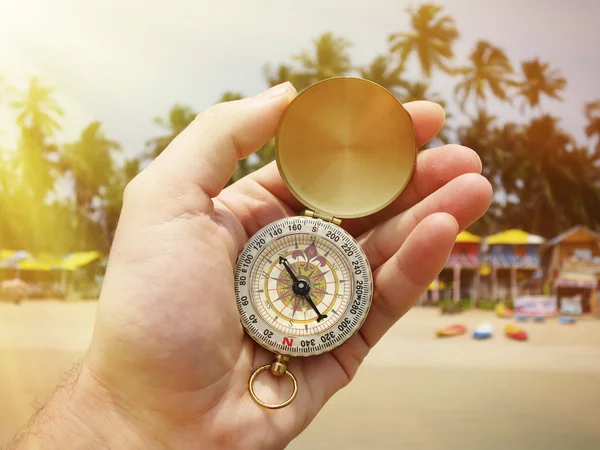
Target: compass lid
{"x": 346, "y": 147}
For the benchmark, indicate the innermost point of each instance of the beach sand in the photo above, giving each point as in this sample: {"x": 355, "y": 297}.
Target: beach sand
{"x": 414, "y": 391}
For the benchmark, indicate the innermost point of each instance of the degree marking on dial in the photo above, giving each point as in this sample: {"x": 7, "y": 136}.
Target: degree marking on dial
{"x": 285, "y": 246}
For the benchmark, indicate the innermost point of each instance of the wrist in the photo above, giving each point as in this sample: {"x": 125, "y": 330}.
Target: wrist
{"x": 81, "y": 414}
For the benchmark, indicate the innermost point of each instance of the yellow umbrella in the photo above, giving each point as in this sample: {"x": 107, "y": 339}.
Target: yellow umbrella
{"x": 74, "y": 261}
{"x": 45, "y": 261}
{"x": 514, "y": 237}
{"x": 466, "y": 237}
{"x": 34, "y": 264}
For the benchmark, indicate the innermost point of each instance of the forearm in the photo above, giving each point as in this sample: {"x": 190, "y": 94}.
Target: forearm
{"x": 80, "y": 415}
{"x": 83, "y": 414}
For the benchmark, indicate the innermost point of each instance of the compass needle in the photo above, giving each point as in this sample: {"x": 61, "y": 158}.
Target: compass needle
{"x": 303, "y": 285}
{"x": 285, "y": 263}
{"x": 314, "y": 307}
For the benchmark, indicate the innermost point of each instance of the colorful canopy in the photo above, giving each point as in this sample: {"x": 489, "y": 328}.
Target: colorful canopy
{"x": 22, "y": 260}
{"x": 518, "y": 256}
{"x": 465, "y": 252}
{"x": 466, "y": 260}
{"x": 514, "y": 237}
{"x": 468, "y": 238}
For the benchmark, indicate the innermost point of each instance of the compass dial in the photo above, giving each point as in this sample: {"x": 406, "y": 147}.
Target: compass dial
{"x": 303, "y": 286}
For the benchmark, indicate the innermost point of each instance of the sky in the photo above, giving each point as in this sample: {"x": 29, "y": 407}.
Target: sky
{"x": 124, "y": 62}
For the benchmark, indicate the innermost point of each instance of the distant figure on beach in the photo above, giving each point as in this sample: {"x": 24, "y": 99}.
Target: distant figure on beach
{"x": 14, "y": 289}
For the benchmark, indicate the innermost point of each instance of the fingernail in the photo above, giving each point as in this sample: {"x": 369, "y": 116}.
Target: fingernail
{"x": 276, "y": 91}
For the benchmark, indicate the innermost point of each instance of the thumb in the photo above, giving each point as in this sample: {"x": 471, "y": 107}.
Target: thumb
{"x": 204, "y": 156}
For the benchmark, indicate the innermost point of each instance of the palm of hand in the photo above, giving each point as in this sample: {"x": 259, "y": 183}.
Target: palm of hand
{"x": 187, "y": 356}
{"x": 168, "y": 343}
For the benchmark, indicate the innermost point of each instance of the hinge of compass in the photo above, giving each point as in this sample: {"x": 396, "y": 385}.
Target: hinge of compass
{"x": 325, "y": 217}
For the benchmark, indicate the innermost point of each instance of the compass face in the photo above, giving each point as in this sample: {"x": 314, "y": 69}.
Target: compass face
{"x": 303, "y": 286}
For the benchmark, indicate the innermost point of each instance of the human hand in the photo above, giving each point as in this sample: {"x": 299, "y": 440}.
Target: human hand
{"x": 169, "y": 362}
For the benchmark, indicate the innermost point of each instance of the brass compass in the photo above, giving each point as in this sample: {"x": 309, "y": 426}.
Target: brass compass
{"x": 345, "y": 148}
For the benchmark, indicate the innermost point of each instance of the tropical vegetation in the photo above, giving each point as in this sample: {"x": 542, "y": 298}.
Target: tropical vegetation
{"x": 58, "y": 196}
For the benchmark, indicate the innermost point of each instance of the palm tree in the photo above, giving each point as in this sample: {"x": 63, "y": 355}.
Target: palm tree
{"x": 37, "y": 114}
{"x": 480, "y": 134}
{"x": 555, "y": 181}
{"x": 38, "y": 109}
{"x": 431, "y": 38}
{"x": 330, "y": 59}
{"x": 91, "y": 165}
{"x": 178, "y": 119}
{"x": 382, "y": 72}
{"x": 538, "y": 80}
{"x": 489, "y": 69}
{"x": 112, "y": 198}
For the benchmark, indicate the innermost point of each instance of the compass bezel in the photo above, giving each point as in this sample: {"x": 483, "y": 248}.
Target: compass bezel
{"x": 357, "y": 308}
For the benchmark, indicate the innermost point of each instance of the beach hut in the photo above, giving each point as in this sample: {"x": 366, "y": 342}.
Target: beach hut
{"x": 512, "y": 252}
{"x": 571, "y": 264}
{"x": 464, "y": 262}
{"x": 461, "y": 268}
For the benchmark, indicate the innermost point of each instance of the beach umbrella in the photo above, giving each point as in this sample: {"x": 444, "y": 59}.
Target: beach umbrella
{"x": 464, "y": 237}
{"x": 74, "y": 261}
{"x": 514, "y": 237}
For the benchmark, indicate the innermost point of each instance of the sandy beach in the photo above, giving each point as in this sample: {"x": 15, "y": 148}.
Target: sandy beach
{"x": 414, "y": 391}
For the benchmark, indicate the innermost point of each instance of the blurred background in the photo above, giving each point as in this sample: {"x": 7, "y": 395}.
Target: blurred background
{"x": 92, "y": 91}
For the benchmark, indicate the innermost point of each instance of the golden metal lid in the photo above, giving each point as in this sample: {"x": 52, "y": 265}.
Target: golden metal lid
{"x": 346, "y": 147}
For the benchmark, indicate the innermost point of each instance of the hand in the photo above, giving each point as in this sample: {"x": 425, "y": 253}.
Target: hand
{"x": 169, "y": 361}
